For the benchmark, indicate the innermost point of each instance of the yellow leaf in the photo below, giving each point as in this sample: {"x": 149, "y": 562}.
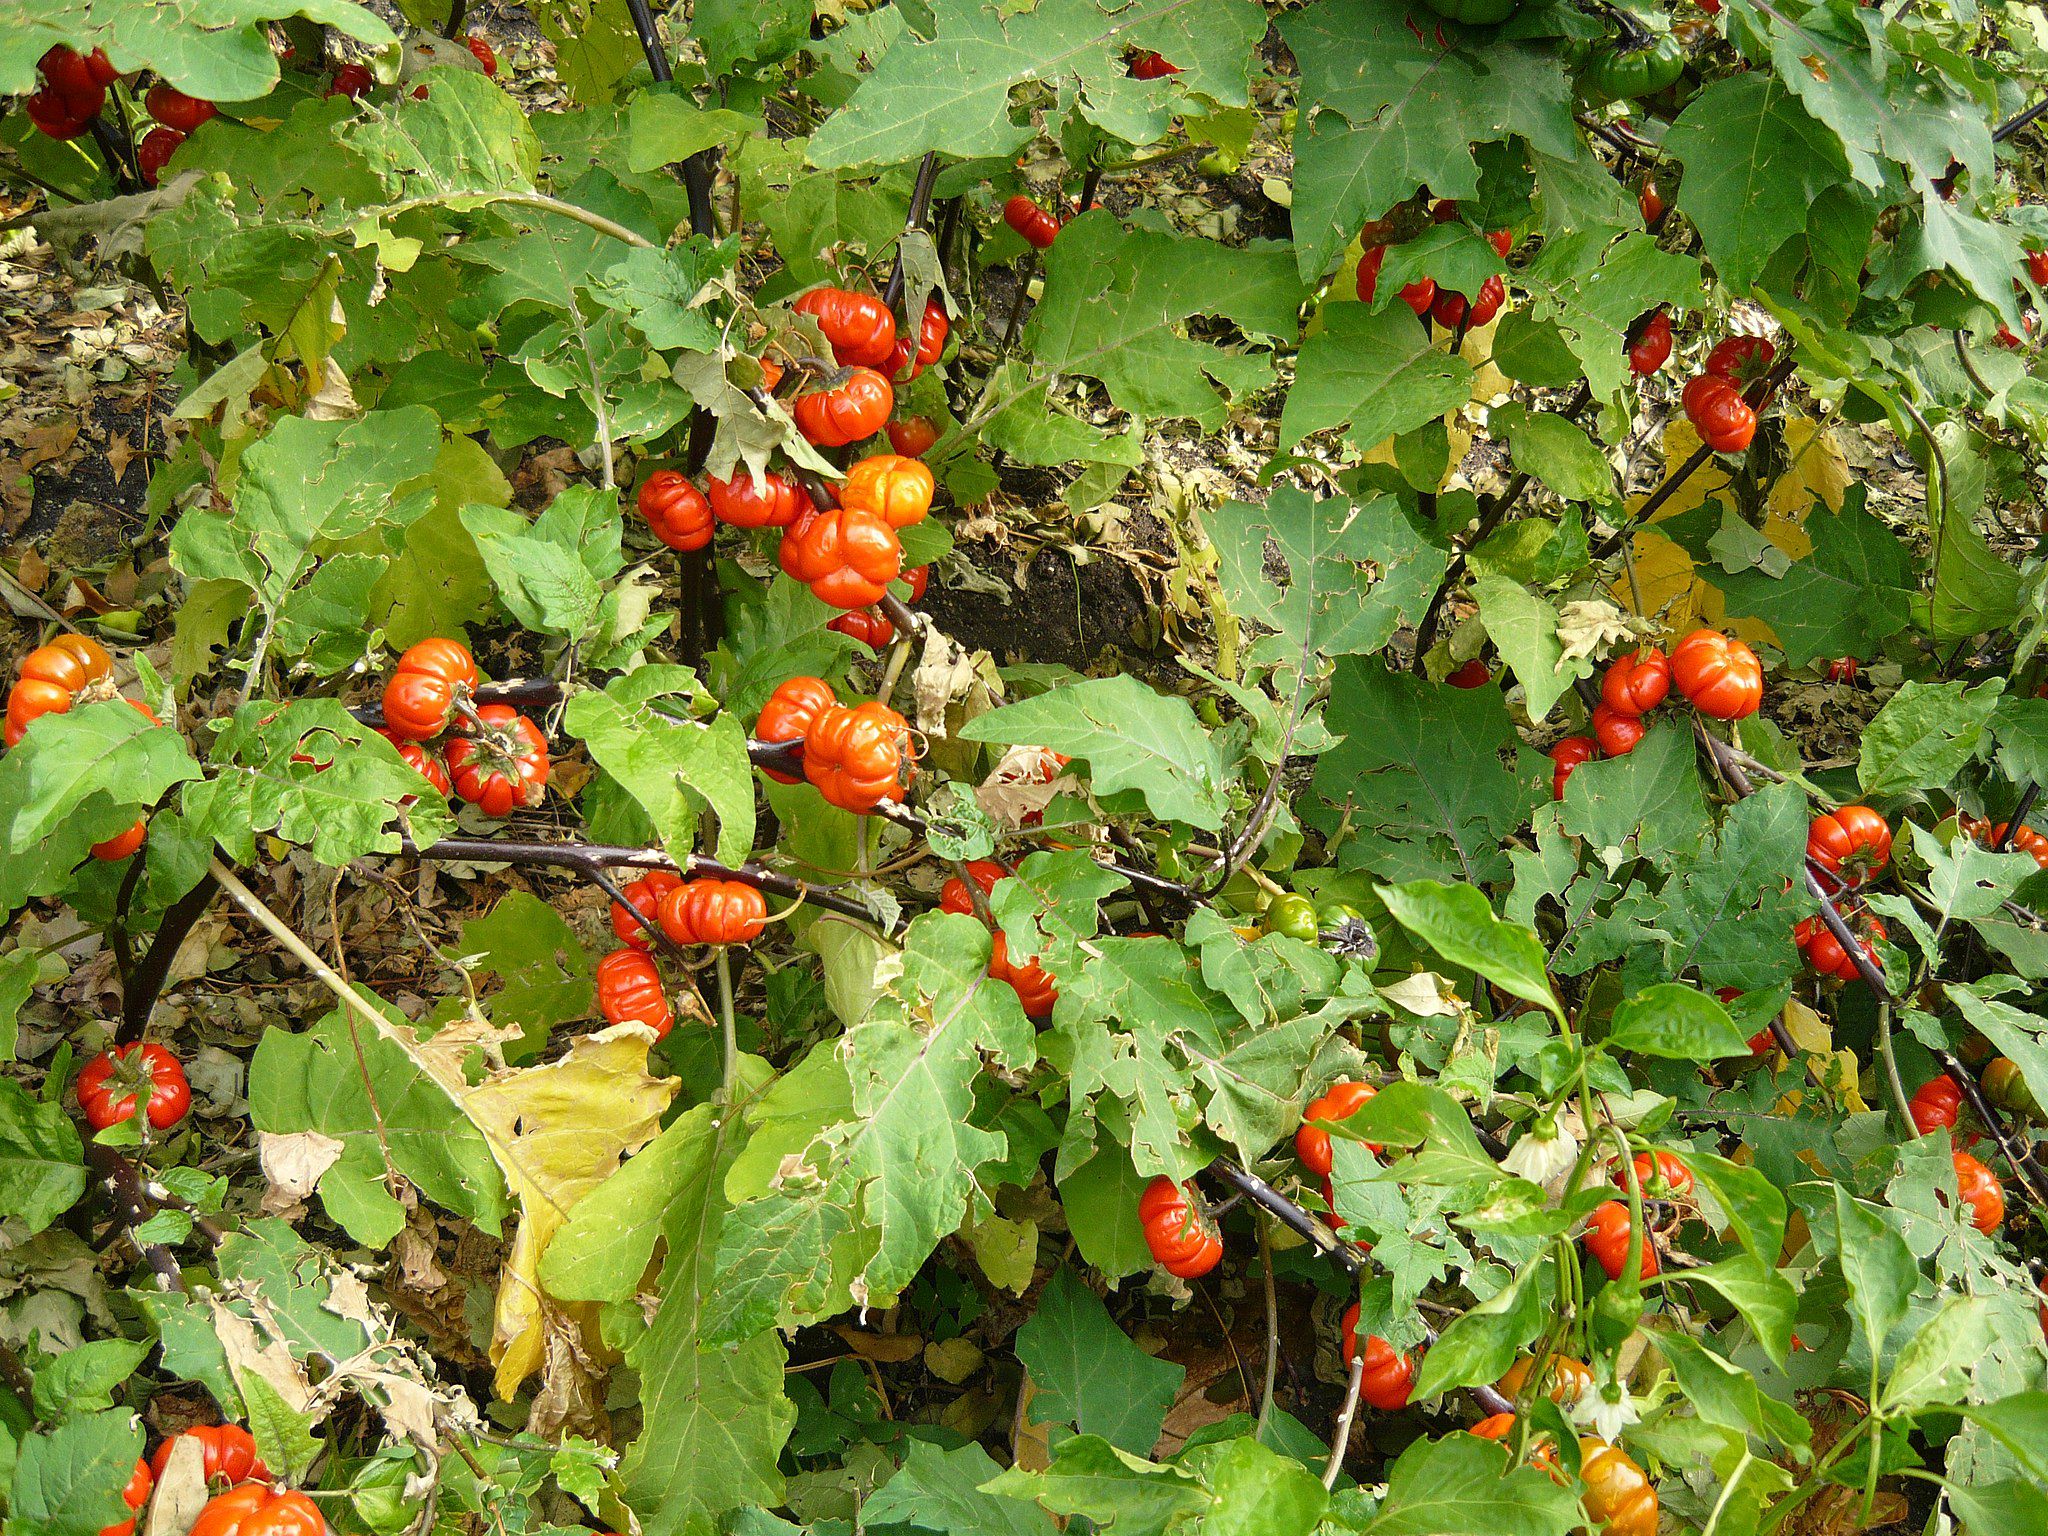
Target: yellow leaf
{"x": 556, "y": 1132}
{"x": 1817, "y": 471}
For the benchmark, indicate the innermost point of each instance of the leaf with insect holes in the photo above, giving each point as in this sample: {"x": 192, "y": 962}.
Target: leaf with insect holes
{"x": 867, "y": 1151}
{"x": 1379, "y": 121}
{"x": 1117, "y": 304}
{"x": 304, "y": 489}
{"x": 315, "y": 775}
{"x": 951, "y": 92}
{"x": 228, "y": 58}
{"x": 1350, "y": 572}
{"x": 1131, "y": 738}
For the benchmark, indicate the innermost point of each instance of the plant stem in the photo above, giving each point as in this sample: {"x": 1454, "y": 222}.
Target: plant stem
{"x": 730, "y": 1074}
{"x": 1341, "y": 1441}
{"x": 1272, "y": 1327}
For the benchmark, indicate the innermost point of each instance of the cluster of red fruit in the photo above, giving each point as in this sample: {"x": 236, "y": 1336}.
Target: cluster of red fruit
{"x": 1716, "y": 674}
{"x": 53, "y": 677}
{"x": 1937, "y": 1104}
{"x": 1851, "y": 845}
{"x": 176, "y": 115}
{"x": 1722, "y": 401}
{"x": 2023, "y": 838}
{"x": 846, "y": 554}
{"x": 74, "y": 89}
{"x": 1446, "y": 306}
{"x": 251, "y": 1504}
{"x": 491, "y": 755}
{"x": 1035, "y": 989}
{"x": 704, "y": 911}
{"x": 1610, "y": 1231}
{"x": 861, "y": 331}
{"x": 858, "y": 756}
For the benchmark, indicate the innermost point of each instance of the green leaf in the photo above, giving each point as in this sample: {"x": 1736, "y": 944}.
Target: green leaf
{"x": 674, "y": 768}
{"x": 2020, "y": 727}
{"x": 19, "y": 971}
{"x": 733, "y": 32}
{"x": 663, "y": 293}
{"x": 2020, "y": 1424}
{"x": 68, "y": 1482}
{"x": 1880, "y": 1269}
{"x": 1650, "y": 798}
{"x": 1482, "y": 1342}
{"x": 1557, "y": 451}
{"x": 314, "y": 1082}
{"x": 303, "y": 489}
{"x": 544, "y": 968}
{"x": 2011, "y": 1507}
{"x": 1421, "y": 779}
{"x": 1729, "y": 906}
{"x": 42, "y": 1162}
{"x": 1722, "y": 1394}
{"x": 83, "y": 1379}
{"x": 1755, "y": 162}
{"x": 1349, "y": 573}
{"x": 1458, "y": 923}
{"x": 1754, "y": 1206}
{"x": 602, "y": 1252}
{"x": 1426, "y": 1118}
{"x": 1093, "y": 1479}
{"x": 714, "y": 1415}
{"x": 1765, "y": 1298}
{"x": 1117, "y": 303}
{"x": 1129, "y": 736}
{"x": 1976, "y": 591}
{"x": 110, "y": 750}
{"x": 284, "y": 1434}
{"x": 1966, "y": 879}
{"x": 1524, "y": 628}
{"x": 943, "y": 1490}
{"x": 1594, "y": 287}
{"x": 664, "y": 127}
{"x": 866, "y": 1151}
{"x": 2016, "y": 1033}
{"x": 1924, "y": 736}
{"x": 1086, "y": 1372}
{"x": 1377, "y": 374}
{"x": 1379, "y": 122}
{"x": 1938, "y": 1363}
{"x": 1459, "y": 1486}
{"x": 951, "y": 92}
{"x": 315, "y": 775}
{"x": 1844, "y": 599}
{"x": 1099, "y": 1197}
{"x": 1678, "y": 1022}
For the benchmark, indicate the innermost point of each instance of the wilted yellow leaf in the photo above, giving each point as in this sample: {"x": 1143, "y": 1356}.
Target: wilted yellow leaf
{"x": 1817, "y": 471}
{"x": 556, "y": 1131}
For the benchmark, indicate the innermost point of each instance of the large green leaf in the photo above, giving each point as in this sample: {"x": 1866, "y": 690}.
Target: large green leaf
{"x": 1349, "y": 574}
{"x": 1131, "y": 739}
{"x": 1374, "y": 373}
{"x": 1117, "y": 303}
{"x": 42, "y": 1167}
{"x": 1085, "y": 1372}
{"x": 951, "y": 92}
{"x": 1379, "y": 121}
{"x": 1755, "y": 162}
{"x": 1421, "y": 778}
{"x": 674, "y": 768}
{"x": 715, "y": 1416}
